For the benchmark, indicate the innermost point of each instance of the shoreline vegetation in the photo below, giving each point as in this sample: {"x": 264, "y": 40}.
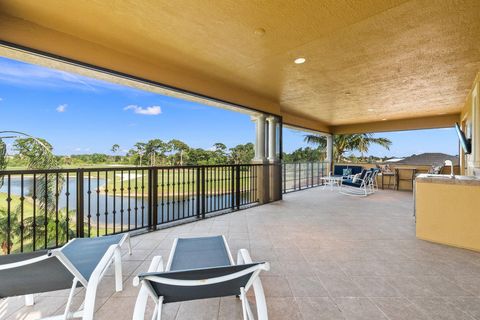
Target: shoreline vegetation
{"x": 155, "y": 152}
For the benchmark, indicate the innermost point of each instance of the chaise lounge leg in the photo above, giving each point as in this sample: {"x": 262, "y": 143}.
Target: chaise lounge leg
{"x": 118, "y": 270}
{"x": 244, "y": 303}
{"x": 160, "y": 305}
{"x": 66, "y": 314}
{"x": 142, "y": 298}
{"x": 129, "y": 243}
{"x": 29, "y": 300}
{"x": 244, "y": 257}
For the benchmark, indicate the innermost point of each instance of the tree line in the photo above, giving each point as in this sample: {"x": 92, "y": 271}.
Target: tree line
{"x": 155, "y": 152}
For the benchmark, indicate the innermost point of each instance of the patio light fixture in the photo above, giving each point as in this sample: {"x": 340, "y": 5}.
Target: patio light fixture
{"x": 299, "y": 60}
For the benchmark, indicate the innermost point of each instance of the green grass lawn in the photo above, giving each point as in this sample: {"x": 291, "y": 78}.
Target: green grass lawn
{"x": 170, "y": 182}
{"x": 28, "y": 212}
{"x": 15, "y": 203}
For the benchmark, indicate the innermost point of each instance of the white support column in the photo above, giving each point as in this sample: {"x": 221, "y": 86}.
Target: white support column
{"x": 263, "y": 180}
{"x": 329, "y": 158}
{"x": 272, "y": 139}
{"x": 260, "y": 139}
{"x": 476, "y": 128}
{"x": 274, "y": 167}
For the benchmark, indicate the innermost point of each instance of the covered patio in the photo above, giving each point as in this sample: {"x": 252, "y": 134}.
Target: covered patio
{"x": 327, "y": 67}
{"x": 356, "y": 258}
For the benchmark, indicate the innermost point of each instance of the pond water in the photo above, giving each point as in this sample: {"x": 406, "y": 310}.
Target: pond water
{"x": 106, "y": 210}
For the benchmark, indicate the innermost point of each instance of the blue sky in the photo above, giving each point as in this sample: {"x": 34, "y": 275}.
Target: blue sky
{"x": 82, "y": 115}
{"x": 404, "y": 143}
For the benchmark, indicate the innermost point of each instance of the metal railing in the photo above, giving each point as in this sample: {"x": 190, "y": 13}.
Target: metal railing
{"x": 302, "y": 175}
{"x": 42, "y": 209}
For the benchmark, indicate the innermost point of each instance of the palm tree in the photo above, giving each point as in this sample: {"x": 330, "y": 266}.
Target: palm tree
{"x": 8, "y": 229}
{"x": 38, "y": 153}
{"x": 348, "y": 142}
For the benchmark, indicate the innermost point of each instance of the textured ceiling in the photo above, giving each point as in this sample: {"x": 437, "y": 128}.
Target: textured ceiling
{"x": 367, "y": 60}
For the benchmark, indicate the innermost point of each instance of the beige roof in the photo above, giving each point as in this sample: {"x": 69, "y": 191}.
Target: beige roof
{"x": 426, "y": 159}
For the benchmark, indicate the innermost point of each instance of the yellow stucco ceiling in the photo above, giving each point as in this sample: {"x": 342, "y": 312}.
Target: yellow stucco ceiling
{"x": 366, "y": 60}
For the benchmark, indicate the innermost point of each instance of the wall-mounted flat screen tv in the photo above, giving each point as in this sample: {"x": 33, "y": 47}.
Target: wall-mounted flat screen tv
{"x": 464, "y": 142}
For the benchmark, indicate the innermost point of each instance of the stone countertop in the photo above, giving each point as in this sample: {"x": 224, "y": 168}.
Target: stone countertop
{"x": 446, "y": 179}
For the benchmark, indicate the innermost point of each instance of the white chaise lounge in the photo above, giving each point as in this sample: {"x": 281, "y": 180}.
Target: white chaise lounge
{"x": 82, "y": 261}
{"x": 200, "y": 268}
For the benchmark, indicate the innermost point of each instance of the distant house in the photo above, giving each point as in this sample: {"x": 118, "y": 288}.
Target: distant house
{"x": 427, "y": 159}
{"x": 393, "y": 160}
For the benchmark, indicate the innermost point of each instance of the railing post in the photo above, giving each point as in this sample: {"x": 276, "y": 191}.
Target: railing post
{"x": 299, "y": 176}
{"x": 311, "y": 175}
{"x": 237, "y": 187}
{"x": 198, "y": 180}
{"x": 203, "y": 192}
{"x": 155, "y": 198}
{"x": 80, "y": 202}
{"x": 232, "y": 187}
{"x": 152, "y": 198}
{"x": 294, "y": 176}
{"x": 307, "y": 175}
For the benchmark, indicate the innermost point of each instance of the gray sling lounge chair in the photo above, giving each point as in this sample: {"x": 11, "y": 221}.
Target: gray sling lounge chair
{"x": 79, "y": 262}
{"x": 200, "y": 268}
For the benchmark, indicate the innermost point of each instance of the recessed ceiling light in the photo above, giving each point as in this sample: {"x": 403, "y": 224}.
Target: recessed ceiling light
{"x": 259, "y": 31}
{"x": 384, "y": 119}
{"x": 370, "y": 110}
{"x": 300, "y": 60}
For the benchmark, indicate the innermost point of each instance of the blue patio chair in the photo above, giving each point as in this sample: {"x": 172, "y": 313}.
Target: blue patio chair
{"x": 373, "y": 178}
{"x": 359, "y": 186}
{"x": 346, "y": 171}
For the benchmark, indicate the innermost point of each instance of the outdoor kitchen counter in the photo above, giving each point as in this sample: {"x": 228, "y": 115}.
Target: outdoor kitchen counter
{"x": 446, "y": 179}
{"x": 447, "y": 210}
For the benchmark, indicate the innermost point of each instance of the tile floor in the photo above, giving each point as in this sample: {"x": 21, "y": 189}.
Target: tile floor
{"x": 332, "y": 257}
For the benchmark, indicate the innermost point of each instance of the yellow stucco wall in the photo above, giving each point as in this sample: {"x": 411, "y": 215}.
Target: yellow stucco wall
{"x": 448, "y": 214}
{"x": 470, "y": 164}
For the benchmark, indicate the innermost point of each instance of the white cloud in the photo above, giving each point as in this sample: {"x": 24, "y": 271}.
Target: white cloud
{"x": 62, "y": 108}
{"x": 149, "y": 111}
{"x": 24, "y": 74}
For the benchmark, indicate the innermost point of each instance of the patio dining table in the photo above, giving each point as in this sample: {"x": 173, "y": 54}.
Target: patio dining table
{"x": 332, "y": 181}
